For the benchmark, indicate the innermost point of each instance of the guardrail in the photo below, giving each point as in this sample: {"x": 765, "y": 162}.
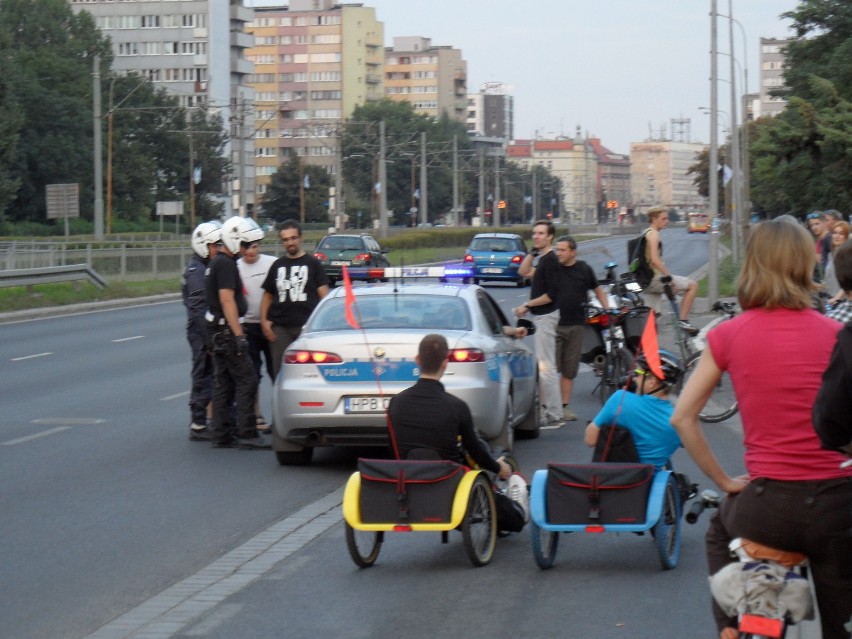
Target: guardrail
{"x": 51, "y": 275}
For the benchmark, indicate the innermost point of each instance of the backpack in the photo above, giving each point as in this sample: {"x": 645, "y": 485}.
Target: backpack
{"x": 637, "y": 261}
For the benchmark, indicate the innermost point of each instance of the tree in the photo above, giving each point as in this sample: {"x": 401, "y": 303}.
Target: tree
{"x": 292, "y": 182}
{"x": 800, "y": 159}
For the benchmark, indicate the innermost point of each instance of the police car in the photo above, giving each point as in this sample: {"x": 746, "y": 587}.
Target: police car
{"x": 336, "y": 381}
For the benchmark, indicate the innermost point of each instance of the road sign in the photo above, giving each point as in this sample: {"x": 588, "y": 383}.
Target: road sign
{"x": 63, "y": 201}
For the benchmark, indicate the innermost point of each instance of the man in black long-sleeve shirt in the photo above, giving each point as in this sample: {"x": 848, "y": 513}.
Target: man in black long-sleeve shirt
{"x": 426, "y": 416}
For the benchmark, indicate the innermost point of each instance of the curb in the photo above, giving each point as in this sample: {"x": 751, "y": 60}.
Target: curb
{"x": 87, "y": 307}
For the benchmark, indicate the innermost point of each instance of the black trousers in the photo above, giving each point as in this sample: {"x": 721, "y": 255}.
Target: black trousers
{"x": 259, "y": 346}
{"x": 201, "y": 391}
{"x": 811, "y": 517}
{"x": 236, "y": 382}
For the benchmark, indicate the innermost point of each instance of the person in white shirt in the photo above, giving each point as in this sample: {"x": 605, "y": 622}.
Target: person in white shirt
{"x": 254, "y": 266}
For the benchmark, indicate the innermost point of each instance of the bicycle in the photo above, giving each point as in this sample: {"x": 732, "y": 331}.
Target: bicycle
{"x": 610, "y": 358}
{"x": 767, "y": 588}
{"x": 722, "y": 403}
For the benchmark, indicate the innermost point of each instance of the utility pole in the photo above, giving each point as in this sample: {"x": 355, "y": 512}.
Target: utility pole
{"x": 713, "y": 163}
{"x": 383, "y": 192}
{"x": 98, "y": 150}
{"x": 736, "y": 208}
{"x": 481, "y": 185}
{"x": 191, "y": 174}
{"x": 424, "y": 187}
{"x": 339, "y": 209}
{"x": 455, "y": 180}
{"x": 495, "y": 205}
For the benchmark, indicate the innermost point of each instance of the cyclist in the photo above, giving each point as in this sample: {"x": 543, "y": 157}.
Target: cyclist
{"x": 645, "y": 412}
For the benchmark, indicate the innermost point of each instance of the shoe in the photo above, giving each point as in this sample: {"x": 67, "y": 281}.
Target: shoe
{"x": 553, "y": 423}
{"x": 261, "y": 442}
{"x": 200, "y": 434}
{"x": 519, "y": 492}
{"x": 729, "y": 633}
{"x": 262, "y": 426}
{"x": 568, "y": 415}
{"x": 689, "y": 328}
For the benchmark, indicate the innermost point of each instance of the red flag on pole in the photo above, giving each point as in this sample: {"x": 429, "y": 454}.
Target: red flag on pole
{"x": 350, "y": 299}
{"x": 651, "y": 347}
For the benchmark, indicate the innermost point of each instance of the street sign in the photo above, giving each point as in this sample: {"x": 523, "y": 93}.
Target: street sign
{"x": 63, "y": 201}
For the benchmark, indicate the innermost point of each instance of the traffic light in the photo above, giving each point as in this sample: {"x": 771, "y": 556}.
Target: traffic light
{"x": 501, "y": 204}
{"x": 612, "y": 204}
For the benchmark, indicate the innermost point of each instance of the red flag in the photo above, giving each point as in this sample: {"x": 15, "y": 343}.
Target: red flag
{"x": 650, "y": 346}
{"x": 350, "y": 299}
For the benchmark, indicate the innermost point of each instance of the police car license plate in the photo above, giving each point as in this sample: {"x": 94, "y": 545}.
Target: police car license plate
{"x": 492, "y": 270}
{"x": 366, "y": 404}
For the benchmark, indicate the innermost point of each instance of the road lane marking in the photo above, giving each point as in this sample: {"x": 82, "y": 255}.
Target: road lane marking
{"x": 128, "y": 339}
{"x": 175, "y": 396}
{"x": 192, "y": 599}
{"x": 21, "y": 359}
{"x": 28, "y": 438}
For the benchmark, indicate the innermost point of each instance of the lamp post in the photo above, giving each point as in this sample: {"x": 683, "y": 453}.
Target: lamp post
{"x": 713, "y": 257}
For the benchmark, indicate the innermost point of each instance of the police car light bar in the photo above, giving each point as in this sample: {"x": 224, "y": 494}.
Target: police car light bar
{"x": 408, "y": 272}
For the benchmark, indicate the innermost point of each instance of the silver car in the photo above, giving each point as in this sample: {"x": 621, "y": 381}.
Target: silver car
{"x": 336, "y": 382}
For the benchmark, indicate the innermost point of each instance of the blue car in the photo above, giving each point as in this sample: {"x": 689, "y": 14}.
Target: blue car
{"x": 496, "y": 257}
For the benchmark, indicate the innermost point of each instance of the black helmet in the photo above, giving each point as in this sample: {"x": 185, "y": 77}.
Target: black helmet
{"x": 669, "y": 362}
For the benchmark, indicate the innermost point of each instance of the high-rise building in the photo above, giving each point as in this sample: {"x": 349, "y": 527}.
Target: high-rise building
{"x": 491, "y": 112}
{"x": 433, "y": 79}
{"x": 194, "y": 50}
{"x": 314, "y": 61}
{"x": 771, "y": 75}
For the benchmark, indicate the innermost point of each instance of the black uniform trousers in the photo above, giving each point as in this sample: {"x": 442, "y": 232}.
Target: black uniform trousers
{"x": 236, "y": 382}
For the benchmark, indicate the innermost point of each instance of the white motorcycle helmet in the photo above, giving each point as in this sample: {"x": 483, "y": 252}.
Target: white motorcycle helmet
{"x": 238, "y": 229}
{"x": 203, "y": 236}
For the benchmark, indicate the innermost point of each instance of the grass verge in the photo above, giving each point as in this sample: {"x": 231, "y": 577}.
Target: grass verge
{"x": 19, "y": 298}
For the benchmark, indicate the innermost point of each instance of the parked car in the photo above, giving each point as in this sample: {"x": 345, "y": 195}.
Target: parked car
{"x": 356, "y": 252}
{"x": 336, "y": 382}
{"x": 496, "y": 257}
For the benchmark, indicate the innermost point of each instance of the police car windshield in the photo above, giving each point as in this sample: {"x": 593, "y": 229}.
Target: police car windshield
{"x": 427, "y": 312}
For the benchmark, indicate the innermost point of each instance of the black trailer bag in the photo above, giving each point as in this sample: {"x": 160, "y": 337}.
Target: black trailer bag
{"x": 407, "y": 491}
{"x": 598, "y": 493}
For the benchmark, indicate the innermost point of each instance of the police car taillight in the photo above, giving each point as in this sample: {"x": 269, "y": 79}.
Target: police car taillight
{"x": 311, "y": 357}
{"x": 466, "y": 355}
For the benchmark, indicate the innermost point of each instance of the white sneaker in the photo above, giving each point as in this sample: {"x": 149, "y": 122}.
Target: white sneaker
{"x": 568, "y": 415}
{"x": 518, "y": 492}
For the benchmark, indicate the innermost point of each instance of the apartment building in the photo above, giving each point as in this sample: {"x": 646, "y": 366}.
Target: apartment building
{"x": 613, "y": 185}
{"x": 491, "y": 111}
{"x": 433, "y": 79}
{"x": 575, "y": 163}
{"x": 193, "y": 49}
{"x": 771, "y": 76}
{"x": 314, "y": 61}
{"x": 658, "y": 175}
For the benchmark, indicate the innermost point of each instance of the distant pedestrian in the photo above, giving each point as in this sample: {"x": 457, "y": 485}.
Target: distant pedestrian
{"x": 205, "y": 239}
{"x": 541, "y": 265}
{"x": 842, "y": 308}
{"x": 253, "y": 267}
{"x": 570, "y": 292}
{"x": 839, "y": 236}
{"x": 658, "y": 219}
{"x": 236, "y": 377}
{"x": 295, "y": 284}
{"x": 818, "y": 225}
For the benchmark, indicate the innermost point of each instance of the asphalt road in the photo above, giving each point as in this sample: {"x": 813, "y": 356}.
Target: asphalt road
{"x": 113, "y": 520}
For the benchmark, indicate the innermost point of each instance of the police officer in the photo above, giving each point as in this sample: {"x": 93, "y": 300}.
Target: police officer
{"x": 236, "y": 377}
{"x": 205, "y": 238}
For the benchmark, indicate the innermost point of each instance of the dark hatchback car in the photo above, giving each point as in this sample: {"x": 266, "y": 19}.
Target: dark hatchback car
{"x": 354, "y": 251}
{"x": 496, "y": 257}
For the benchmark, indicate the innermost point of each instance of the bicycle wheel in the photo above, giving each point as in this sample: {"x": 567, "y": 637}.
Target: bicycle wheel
{"x": 364, "y": 546}
{"x": 479, "y": 526}
{"x": 722, "y": 403}
{"x": 544, "y": 543}
{"x": 616, "y": 366}
{"x": 667, "y": 528}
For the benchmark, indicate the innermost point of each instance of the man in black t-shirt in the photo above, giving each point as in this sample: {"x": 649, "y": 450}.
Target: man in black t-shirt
{"x": 541, "y": 265}
{"x": 235, "y": 375}
{"x": 295, "y": 284}
{"x": 425, "y": 417}
{"x": 570, "y": 292}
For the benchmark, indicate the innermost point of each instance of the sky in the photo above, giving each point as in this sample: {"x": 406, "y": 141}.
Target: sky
{"x": 618, "y": 69}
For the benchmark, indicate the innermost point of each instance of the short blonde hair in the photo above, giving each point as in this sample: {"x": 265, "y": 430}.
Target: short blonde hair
{"x": 655, "y": 211}
{"x": 778, "y": 268}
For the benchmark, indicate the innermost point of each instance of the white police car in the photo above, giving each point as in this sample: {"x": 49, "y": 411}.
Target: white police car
{"x": 336, "y": 382}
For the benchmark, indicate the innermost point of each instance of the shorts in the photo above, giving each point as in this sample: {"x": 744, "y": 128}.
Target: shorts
{"x": 679, "y": 282}
{"x": 569, "y": 344}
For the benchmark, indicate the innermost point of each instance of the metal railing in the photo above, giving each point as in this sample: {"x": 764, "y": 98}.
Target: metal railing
{"x": 50, "y": 275}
